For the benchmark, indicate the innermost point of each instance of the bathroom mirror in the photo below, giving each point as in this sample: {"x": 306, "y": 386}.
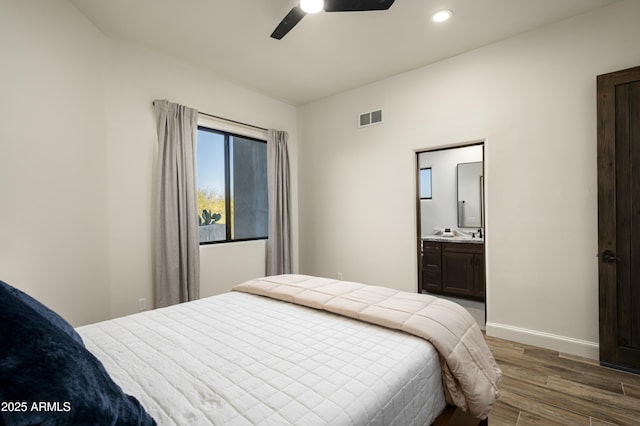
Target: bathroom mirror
{"x": 470, "y": 194}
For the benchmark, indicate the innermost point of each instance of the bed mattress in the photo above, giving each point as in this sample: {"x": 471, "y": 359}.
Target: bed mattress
{"x": 240, "y": 359}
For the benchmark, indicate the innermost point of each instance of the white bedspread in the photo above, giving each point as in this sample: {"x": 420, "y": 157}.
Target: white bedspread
{"x": 469, "y": 371}
{"x": 244, "y": 359}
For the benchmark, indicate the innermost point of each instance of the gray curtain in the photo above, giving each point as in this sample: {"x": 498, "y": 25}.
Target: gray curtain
{"x": 279, "y": 241}
{"x": 176, "y": 252}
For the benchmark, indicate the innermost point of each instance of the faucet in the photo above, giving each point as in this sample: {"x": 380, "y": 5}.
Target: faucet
{"x": 479, "y": 232}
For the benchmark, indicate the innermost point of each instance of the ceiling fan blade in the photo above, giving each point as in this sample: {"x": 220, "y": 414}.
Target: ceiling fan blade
{"x": 356, "y": 5}
{"x": 293, "y": 17}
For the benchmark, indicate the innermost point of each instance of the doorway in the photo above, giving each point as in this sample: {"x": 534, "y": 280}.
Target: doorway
{"x": 619, "y": 218}
{"x": 451, "y": 225}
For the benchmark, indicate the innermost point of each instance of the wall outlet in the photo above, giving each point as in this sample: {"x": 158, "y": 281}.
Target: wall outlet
{"x": 142, "y": 304}
{"x": 339, "y": 275}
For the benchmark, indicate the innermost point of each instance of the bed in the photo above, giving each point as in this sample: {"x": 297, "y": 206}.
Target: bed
{"x": 285, "y": 350}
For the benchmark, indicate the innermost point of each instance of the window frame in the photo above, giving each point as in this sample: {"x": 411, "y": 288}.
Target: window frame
{"x": 430, "y": 183}
{"x": 227, "y": 185}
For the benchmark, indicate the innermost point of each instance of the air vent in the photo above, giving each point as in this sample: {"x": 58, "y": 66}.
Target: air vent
{"x": 370, "y": 118}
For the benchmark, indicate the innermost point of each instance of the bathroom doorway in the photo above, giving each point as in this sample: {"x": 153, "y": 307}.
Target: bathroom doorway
{"x": 451, "y": 225}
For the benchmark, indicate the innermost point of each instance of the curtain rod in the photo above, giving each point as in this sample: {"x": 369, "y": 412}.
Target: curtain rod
{"x": 233, "y": 121}
{"x": 229, "y": 120}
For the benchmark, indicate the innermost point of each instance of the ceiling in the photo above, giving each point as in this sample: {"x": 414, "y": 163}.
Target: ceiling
{"x": 325, "y": 53}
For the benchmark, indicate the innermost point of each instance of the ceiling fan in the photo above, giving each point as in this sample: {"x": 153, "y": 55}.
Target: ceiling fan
{"x": 314, "y": 6}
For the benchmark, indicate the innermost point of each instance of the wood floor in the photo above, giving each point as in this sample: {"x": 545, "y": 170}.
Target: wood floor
{"x": 543, "y": 387}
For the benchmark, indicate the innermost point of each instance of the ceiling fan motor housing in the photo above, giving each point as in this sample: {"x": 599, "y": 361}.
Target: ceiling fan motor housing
{"x": 296, "y": 14}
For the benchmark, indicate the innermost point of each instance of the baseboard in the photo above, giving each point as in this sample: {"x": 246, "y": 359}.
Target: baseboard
{"x": 554, "y": 342}
{"x": 620, "y": 367}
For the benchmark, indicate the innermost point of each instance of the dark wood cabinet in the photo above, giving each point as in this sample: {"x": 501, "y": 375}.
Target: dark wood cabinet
{"x": 453, "y": 269}
{"x": 463, "y": 269}
{"x": 431, "y": 266}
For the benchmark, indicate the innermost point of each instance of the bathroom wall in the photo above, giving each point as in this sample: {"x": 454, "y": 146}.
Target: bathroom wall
{"x": 441, "y": 210}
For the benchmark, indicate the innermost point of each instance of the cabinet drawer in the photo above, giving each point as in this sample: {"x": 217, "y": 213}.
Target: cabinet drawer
{"x": 464, "y": 247}
{"x": 431, "y": 255}
{"x": 432, "y": 280}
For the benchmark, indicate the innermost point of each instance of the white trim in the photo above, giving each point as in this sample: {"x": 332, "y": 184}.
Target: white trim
{"x": 541, "y": 339}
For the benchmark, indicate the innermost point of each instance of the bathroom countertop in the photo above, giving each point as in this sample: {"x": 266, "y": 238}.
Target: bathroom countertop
{"x": 463, "y": 240}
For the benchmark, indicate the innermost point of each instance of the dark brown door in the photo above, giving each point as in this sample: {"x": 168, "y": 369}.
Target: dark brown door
{"x": 619, "y": 218}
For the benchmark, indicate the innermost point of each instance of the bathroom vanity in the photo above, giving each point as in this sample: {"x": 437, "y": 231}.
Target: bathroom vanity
{"x": 453, "y": 267}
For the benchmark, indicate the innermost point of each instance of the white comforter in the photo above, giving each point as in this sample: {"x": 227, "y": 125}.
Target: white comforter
{"x": 245, "y": 359}
{"x": 469, "y": 371}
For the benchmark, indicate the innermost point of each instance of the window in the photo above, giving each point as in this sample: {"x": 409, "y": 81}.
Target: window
{"x": 231, "y": 173}
{"x": 425, "y": 183}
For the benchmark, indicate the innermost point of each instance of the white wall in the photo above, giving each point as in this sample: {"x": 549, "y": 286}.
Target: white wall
{"x": 532, "y": 99}
{"x": 77, "y": 151}
{"x": 136, "y": 77}
{"x": 441, "y": 211}
{"x": 53, "y": 211}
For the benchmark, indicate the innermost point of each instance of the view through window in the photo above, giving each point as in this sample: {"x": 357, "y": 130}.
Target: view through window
{"x": 425, "y": 183}
{"x": 231, "y": 173}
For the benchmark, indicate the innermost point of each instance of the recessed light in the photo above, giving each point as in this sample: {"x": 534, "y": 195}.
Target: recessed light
{"x": 311, "y": 6}
{"x": 441, "y": 16}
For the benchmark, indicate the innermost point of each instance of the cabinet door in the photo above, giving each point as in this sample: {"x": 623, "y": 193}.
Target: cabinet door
{"x": 431, "y": 266}
{"x": 479, "y": 279}
{"x": 458, "y": 272}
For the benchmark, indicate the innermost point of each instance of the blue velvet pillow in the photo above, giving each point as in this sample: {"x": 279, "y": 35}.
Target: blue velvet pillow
{"x": 48, "y": 377}
{"x": 45, "y": 312}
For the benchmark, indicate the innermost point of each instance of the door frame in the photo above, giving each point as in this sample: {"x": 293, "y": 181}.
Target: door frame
{"x": 418, "y": 210}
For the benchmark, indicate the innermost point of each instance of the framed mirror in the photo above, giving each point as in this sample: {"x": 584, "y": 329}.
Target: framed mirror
{"x": 470, "y": 194}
